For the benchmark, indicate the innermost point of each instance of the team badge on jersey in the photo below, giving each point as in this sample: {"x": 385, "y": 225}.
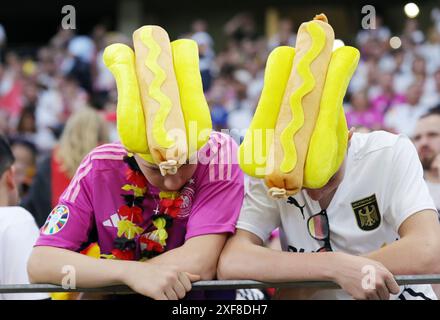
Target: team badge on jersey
{"x": 56, "y": 220}
{"x": 367, "y": 213}
{"x": 187, "y": 195}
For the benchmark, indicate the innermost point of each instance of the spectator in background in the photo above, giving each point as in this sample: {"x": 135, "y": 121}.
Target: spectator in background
{"x": 11, "y": 87}
{"x": 240, "y": 116}
{"x": 402, "y": 118}
{"x": 380, "y": 32}
{"x": 84, "y": 131}
{"x": 206, "y": 53}
{"x": 430, "y": 50}
{"x": 18, "y": 231}
{"x": 360, "y": 113}
{"x": 388, "y": 97}
{"x": 427, "y": 141}
{"x": 25, "y": 154}
{"x": 419, "y": 69}
{"x": 285, "y": 36}
{"x": 77, "y": 62}
{"x": 46, "y": 67}
{"x": 103, "y": 81}
{"x": 26, "y": 127}
{"x": 431, "y": 95}
{"x": 401, "y": 65}
{"x": 241, "y": 27}
{"x": 412, "y": 31}
{"x": 216, "y": 102}
{"x": 54, "y": 108}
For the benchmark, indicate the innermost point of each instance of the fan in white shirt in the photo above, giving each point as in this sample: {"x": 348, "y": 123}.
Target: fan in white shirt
{"x": 378, "y": 196}
{"x": 369, "y": 217}
{"x": 18, "y": 230}
{"x": 382, "y": 186}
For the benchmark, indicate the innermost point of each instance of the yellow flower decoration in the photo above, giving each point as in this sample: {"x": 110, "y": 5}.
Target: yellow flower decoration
{"x": 129, "y": 229}
{"x": 107, "y": 256}
{"x": 169, "y": 194}
{"x": 138, "y": 192}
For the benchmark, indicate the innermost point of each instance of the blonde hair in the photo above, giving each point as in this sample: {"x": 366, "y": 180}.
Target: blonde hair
{"x": 84, "y": 130}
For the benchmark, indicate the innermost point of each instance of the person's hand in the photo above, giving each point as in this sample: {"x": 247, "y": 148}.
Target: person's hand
{"x": 158, "y": 281}
{"x": 363, "y": 278}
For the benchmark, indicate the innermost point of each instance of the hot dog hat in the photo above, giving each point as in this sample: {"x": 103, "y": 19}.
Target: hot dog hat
{"x": 298, "y": 136}
{"x": 162, "y": 114}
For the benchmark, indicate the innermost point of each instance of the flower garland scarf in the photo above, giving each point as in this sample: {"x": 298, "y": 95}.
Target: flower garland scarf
{"x": 152, "y": 240}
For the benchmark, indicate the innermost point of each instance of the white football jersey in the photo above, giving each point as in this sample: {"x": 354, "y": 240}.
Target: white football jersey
{"x": 382, "y": 186}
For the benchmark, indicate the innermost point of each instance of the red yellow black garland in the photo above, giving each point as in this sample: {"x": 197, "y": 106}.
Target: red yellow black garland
{"x": 152, "y": 241}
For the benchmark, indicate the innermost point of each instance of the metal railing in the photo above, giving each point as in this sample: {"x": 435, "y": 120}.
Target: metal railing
{"x": 214, "y": 285}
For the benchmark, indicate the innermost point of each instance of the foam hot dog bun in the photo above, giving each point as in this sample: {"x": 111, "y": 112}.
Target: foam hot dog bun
{"x": 195, "y": 109}
{"x": 330, "y": 136}
{"x": 162, "y": 112}
{"x": 160, "y": 95}
{"x": 131, "y": 126}
{"x": 308, "y": 114}
{"x": 255, "y": 148}
{"x": 300, "y": 105}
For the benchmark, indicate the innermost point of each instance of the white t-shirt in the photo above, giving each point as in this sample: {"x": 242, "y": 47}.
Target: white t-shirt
{"x": 18, "y": 233}
{"x": 383, "y": 185}
{"x": 434, "y": 189}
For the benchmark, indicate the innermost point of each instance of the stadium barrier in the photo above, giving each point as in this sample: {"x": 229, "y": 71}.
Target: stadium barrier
{"x": 213, "y": 285}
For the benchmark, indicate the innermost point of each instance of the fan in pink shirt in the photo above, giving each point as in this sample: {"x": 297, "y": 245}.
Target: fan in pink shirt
{"x": 162, "y": 203}
{"x": 212, "y": 192}
{"x": 212, "y": 198}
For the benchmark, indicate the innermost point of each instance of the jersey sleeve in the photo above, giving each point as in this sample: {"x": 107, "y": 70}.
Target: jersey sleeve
{"x": 260, "y": 214}
{"x": 219, "y": 195}
{"x": 70, "y": 222}
{"x": 409, "y": 192}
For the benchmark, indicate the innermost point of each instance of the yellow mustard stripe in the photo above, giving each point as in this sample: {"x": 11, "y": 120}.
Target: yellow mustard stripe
{"x": 159, "y": 132}
{"x": 318, "y": 41}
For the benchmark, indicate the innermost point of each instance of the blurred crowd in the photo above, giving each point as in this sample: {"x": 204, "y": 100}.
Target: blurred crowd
{"x": 397, "y": 81}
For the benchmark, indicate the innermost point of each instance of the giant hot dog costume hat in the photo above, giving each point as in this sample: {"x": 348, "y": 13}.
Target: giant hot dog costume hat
{"x": 162, "y": 114}
{"x": 298, "y": 136}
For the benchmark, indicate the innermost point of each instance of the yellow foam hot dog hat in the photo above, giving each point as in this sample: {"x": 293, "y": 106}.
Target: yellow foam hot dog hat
{"x": 298, "y": 136}
{"x": 162, "y": 114}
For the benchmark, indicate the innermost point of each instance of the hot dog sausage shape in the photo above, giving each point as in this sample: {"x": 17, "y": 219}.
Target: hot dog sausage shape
{"x": 300, "y": 108}
{"x": 162, "y": 114}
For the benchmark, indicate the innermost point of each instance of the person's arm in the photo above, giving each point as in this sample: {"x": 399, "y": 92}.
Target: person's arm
{"x": 198, "y": 255}
{"x": 48, "y": 265}
{"x": 418, "y": 249}
{"x": 245, "y": 257}
{"x": 411, "y": 212}
{"x": 57, "y": 248}
{"x": 214, "y": 212}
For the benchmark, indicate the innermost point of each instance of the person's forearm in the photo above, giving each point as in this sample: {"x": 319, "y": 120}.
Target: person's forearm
{"x": 199, "y": 255}
{"x": 48, "y": 265}
{"x": 409, "y": 255}
{"x": 191, "y": 263}
{"x": 244, "y": 261}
